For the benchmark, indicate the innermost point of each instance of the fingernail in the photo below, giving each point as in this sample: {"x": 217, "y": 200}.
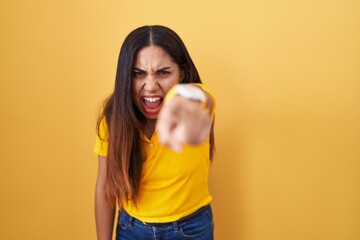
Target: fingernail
{"x": 177, "y": 147}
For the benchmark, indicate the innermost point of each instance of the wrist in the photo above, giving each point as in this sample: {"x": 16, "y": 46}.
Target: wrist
{"x": 187, "y": 91}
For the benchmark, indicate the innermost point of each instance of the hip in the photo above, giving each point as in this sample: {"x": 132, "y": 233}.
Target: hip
{"x": 198, "y": 225}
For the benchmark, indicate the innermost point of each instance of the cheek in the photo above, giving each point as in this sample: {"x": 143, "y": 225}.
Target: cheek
{"x": 176, "y": 80}
{"x": 134, "y": 88}
{"x": 169, "y": 84}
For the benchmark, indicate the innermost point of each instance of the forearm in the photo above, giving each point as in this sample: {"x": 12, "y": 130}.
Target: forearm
{"x": 209, "y": 105}
{"x": 183, "y": 121}
{"x": 104, "y": 216}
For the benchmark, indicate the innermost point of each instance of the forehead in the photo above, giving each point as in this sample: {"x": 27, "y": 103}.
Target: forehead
{"x": 152, "y": 56}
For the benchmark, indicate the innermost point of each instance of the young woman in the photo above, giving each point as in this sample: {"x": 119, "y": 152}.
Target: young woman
{"x": 155, "y": 142}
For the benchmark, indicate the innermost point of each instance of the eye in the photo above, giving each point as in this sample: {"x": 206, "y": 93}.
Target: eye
{"x": 139, "y": 74}
{"x": 163, "y": 73}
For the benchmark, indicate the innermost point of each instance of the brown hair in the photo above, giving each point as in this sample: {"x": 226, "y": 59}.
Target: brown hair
{"x": 125, "y": 152}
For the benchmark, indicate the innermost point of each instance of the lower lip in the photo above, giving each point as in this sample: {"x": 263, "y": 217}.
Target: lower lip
{"x": 153, "y": 111}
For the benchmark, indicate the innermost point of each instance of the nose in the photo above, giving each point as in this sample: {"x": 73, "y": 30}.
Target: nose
{"x": 151, "y": 83}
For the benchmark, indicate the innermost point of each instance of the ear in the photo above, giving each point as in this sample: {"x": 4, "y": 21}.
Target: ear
{"x": 182, "y": 75}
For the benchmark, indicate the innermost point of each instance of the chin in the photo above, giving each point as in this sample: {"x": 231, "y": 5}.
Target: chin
{"x": 150, "y": 116}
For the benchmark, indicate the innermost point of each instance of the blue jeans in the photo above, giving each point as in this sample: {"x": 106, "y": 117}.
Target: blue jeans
{"x": 198, "y": 225}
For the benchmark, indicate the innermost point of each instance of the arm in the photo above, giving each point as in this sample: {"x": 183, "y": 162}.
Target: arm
{"x": 104, "y": 212}
{"x": 184, "y": 121}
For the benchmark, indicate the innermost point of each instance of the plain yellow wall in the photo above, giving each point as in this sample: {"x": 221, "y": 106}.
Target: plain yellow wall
{"x": 286, "y": 75}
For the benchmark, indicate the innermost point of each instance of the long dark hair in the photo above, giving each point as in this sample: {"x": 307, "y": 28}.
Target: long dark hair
{"x": 124, "y": 121}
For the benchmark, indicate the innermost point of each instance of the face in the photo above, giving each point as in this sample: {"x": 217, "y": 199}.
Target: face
{"x": 154, "y": 74}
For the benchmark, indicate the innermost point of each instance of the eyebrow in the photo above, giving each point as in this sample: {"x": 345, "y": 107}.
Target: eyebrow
{"x": 161, "y": 69}
{"x": 164, "y": 68}
{"x": 138, "y": 69}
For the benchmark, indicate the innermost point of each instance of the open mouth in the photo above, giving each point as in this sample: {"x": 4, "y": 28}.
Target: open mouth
{"x": 152, "y": 105}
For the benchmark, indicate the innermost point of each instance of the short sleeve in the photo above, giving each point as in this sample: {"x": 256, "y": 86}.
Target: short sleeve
{"x": 206, "y": 89}
{"x": 101, "y": 143}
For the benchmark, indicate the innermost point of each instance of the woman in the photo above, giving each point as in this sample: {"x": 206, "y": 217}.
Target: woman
{"x": 155, "y": 141}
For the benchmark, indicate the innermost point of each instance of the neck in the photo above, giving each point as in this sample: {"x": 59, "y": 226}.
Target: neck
{"x": 149, "y": 127}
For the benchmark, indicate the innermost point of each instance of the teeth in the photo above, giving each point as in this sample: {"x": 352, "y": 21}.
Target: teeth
{"x": 154, "y": 99}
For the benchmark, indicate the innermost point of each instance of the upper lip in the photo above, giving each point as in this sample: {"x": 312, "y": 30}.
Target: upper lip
{"x": 152, "y": 96}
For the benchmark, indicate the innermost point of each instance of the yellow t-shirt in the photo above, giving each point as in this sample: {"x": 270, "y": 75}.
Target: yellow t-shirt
{"x": 173, "y": 185}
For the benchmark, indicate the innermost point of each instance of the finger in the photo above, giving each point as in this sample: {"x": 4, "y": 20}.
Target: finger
{"x": 165, "y": 124}
{"x": 176, "y": 147}
{"x": 178, "y": 137}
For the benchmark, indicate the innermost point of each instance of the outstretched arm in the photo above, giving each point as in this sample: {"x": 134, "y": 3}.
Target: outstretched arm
{"x": 184, "y": 121}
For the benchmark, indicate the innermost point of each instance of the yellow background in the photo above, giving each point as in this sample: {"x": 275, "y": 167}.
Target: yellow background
{"x": 286, "y": 75}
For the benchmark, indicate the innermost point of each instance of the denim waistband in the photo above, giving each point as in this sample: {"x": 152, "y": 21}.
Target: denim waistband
{"x": 178, "y": 222}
